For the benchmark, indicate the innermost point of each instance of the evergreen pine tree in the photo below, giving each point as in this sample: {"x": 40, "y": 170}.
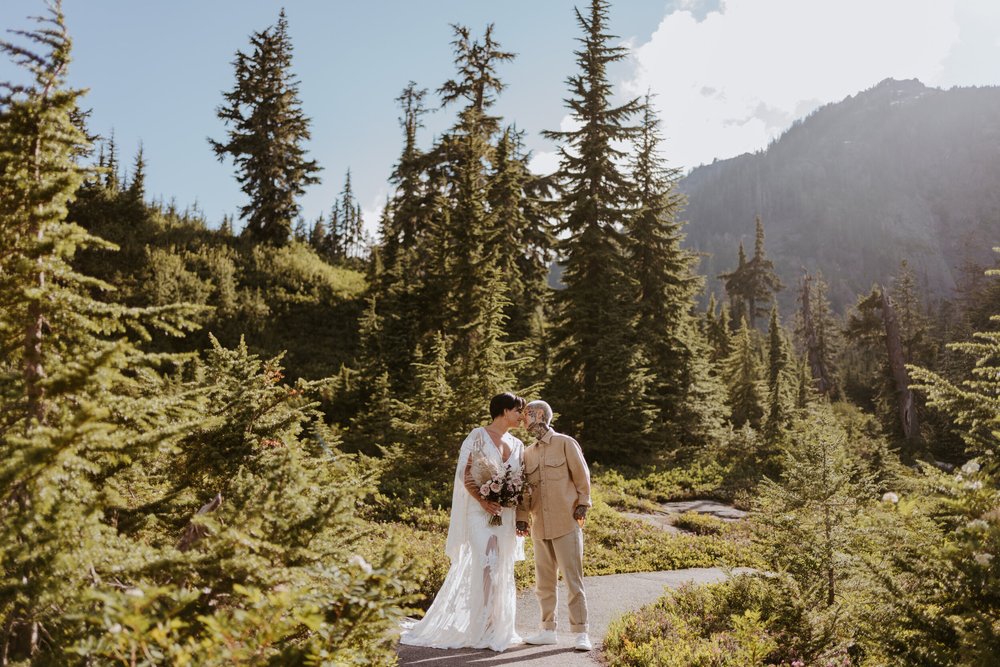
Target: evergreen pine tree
{"x": 403, "y": 231}
{"x": 954, "y": 615}
{"x": 520, "y": 240}
{"x": 973, "y": 403}
{"x": 817, "y": 333}
{"x": 373, "y": 427}
{"x": 764, "y": 282}
{"x": 347, "y": 206}
{"x": 267, "y": 130}
{"x": 666, "y": 288}
{"x": 743, "y": 379}
{"x": 804, "y": 387}
{"x": 300, "y": 233}
{"x": 318, "y": 236}
{"x": 79, "y": 400}
{"x": 718, "y": 331}
{"x": 596, "y": 360}
{"x": 408, "y": 207}
{"x": 737, "y": 287}
{"x": 137, "y": 185}
{"x": 493, "y": 363}
{"x": 754, "y": 283}
{"x": 709, "y": 319}
{"x": 433, "y": 429}
{"x": 810, "y": 522}
{"x": 112, "y": 177}
{"x": 875, "y": 326}
{"x": 914, "y": 323}
{"x": 778, "y": 412}
{"x": 347, "y": 236}
{"x": 462, "y": 155}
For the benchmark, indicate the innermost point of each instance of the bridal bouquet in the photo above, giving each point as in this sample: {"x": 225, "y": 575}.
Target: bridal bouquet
{"x": 504, "y": 486}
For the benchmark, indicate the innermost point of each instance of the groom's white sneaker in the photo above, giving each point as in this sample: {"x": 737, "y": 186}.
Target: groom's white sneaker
{"x": 543, "y": 637}
{"x": 582, "y": 642}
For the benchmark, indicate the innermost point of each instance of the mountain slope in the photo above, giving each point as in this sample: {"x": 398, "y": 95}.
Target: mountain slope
{"x": 899, "y": 171}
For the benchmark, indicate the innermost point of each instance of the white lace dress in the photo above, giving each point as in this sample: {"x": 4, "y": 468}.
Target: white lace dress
{"x": 476, "y": 604}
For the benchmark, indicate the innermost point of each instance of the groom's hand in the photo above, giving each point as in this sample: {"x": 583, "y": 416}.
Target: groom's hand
{"x": 580, "y": 512}
{"x": 522, "y": 528}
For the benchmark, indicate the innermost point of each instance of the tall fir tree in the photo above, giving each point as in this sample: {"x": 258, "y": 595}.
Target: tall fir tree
{"x": 717, "y": 330}
{"x": 778, "y": 408}
{"x": 432, "y": 427}
{"x": 400, "y": 230}
{"x": 973, "y": 402}
{"x": 743, "y": 377}
{"x": 266, "y": 135}
{"x": 137, "y": 184}
{"x": 79, "y": 399}
{"x": 764, "y": 282}
{"x": 111, "y": 166}
{"x": 666, "y": 287}
{"x": 736, "y": 284}
{"x": 955, "y": 614}
{"x": 818, "y": 333}
{"x": 914, "y": 323}
{"x": 404, "y": 231}
{"x": 874, "y": 325}
{"x": 463, "y": 155}
{"x": 596, "y": 360}
{"x": 753, "y": 284}
{"x": 518, "y": 214}
{"x": 372, "y": 428}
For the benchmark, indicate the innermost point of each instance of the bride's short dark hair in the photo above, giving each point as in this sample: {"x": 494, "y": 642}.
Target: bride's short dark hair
{"x": 505, "y": 401}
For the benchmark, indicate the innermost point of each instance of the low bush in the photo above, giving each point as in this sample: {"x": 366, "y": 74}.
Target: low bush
{"x": 745, "y": 621}
{"x": 615, "y": 544}
{"x": 642, "y": 490}
{"x": 700, "y": 524}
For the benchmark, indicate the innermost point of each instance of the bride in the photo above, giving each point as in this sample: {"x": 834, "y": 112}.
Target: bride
{"x": 475, "y": 606}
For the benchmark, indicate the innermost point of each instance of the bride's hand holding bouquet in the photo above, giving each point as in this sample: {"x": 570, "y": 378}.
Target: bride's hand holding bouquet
{"x": 503, "y": 487}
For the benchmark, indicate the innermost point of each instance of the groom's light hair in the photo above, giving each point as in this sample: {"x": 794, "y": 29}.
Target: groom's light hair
{"x": 544, "y": 407}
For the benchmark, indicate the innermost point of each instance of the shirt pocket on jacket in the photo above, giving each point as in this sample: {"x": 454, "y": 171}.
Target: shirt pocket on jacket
{"x": 555, "y": 470}
{"x": 532, "y": 474}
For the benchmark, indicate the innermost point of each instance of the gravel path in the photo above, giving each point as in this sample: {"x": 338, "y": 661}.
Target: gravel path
{"x": 607, "y": 598}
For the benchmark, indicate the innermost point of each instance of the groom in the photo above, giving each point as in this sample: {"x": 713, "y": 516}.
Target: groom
{"x": 558, "y": 503}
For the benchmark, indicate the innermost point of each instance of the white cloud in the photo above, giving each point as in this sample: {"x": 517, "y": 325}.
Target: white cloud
{"x": 737, "y": 78}
{"x": 372, "y": 213}
{"x": 543, "y": 162}
{"x": 546, "y": 162}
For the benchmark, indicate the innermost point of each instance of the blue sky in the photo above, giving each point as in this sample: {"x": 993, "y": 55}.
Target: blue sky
{"x": 730, "y": 75}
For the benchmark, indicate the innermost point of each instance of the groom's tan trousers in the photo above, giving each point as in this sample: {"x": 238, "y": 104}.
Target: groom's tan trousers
{"x": 566, "y": 554}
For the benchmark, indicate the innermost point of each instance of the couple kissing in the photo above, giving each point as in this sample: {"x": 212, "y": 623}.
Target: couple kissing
{"x": 504, "y": 492}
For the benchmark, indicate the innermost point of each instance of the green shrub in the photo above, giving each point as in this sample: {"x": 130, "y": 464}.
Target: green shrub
{"x": 700, "y": 524}
{"x": 614, "y": 544}
{"x": 745, "y": 621}
{"x": 644, "y": 488}
{"x": 422, "y": 550}
{"x": 338, "y": 618}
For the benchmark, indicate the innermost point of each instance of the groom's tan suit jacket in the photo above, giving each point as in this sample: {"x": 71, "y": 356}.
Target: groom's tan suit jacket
{"x": 560, "y": 480}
